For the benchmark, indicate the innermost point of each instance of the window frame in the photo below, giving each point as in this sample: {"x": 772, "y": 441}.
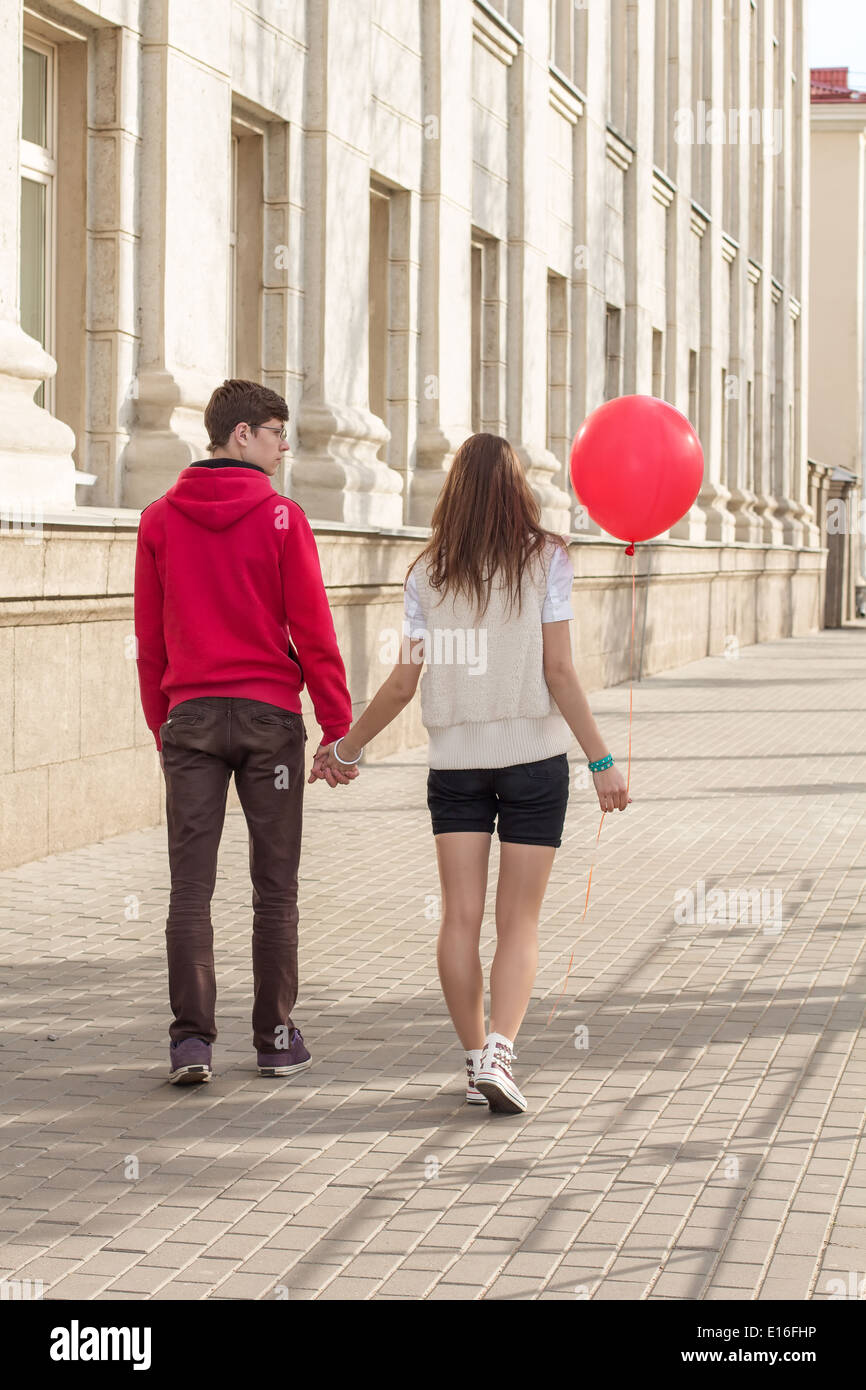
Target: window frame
{"x": 232, "y": 287}
{"x": 38, "y": 164}
{"x": 245, "y": 126}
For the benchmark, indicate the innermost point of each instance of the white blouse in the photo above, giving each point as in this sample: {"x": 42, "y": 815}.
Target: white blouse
{"x": 556, "y": 607}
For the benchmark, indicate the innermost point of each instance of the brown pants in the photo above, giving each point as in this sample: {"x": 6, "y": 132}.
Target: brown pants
{"x": 203, "y": 742}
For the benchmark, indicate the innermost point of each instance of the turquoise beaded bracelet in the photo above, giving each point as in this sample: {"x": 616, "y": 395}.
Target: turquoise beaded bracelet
{"x": 601, "y": 763}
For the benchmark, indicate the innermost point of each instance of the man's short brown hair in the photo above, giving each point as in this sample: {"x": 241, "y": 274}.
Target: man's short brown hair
{"x": 237, "y": 401}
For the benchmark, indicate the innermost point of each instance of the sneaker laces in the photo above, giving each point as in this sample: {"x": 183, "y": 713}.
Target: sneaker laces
{"x": 502, "y": 1054}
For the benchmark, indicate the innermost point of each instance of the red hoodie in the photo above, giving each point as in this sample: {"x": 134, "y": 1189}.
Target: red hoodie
{"x": 227, "y": 576}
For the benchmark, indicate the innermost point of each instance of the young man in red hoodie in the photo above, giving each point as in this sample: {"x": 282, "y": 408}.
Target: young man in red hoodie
{"x": 231, "y": 620}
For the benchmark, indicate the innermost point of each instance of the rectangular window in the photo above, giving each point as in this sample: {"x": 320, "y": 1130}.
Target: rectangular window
{"x": 658, "y": 364}
{"x": 778, "y": 401}
{"x": 619, "y": 21}
{"x": 730, "y": 156}
{"x": 779, "y": 190}
{"x": 795, "y": 442}
{"x": 725, "y": 431}
{"x": 38, "y": 162}
{"x": 561, "y": 35}
{"x": 613, "y": 352}
{"x": 701, "y": 57}
{"x": 488, "y": 335}
{"x": 477, "y": 310}
{"x": 799, "y": 74}
{"x": 557, "y": 367}
{"x": 509, "y": 9}
{"x": 246, "y": 248}
{"x": 567, "y": 42}
{"x": 755, "y": 199}
{"x": 35, "y": 95}
{"x": 232, "y": 314}
{"x": 750, "y": 436}
{"x": 380, "y": 305}
{"x": 33, "y": 258}
{"x": 661, "y": 85}
{"x": 578, "y": 50}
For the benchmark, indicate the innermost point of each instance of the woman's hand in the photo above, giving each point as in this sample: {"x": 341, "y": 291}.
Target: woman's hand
{"x": 325, "y": 765}
{"x": 610, "y": 786}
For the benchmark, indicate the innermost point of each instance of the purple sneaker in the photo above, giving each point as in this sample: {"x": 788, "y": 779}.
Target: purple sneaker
{"x": 190, "y": 1061}
{"x": 288, "y": 1063}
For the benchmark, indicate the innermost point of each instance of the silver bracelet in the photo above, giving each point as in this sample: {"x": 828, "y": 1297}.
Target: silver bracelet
{"x": 347, "y": 762}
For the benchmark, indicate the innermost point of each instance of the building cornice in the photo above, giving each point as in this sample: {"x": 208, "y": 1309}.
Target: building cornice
{"x": 617, "y": 148}
{"x": 664, "y": 189}
{"x": 841, "y": 115}
{"x": 700, "y": 219}
{"x": 495, "y": 33}
{"x": 566, "y": 99}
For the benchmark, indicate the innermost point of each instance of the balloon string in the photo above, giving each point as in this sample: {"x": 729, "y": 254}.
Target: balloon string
{"x": 629, "y": 551}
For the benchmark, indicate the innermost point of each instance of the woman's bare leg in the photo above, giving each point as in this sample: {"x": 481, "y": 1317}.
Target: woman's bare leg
{"x": 523, "y": 874}
{"x": 463, "y": 858}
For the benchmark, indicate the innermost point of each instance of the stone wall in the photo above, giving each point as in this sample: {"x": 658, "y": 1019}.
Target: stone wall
{"x": 78, "y": 763}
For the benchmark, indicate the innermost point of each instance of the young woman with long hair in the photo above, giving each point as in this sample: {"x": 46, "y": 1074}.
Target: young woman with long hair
{"x": 487, "y": 609}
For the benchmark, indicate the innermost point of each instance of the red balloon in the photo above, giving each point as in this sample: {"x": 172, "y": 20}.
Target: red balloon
{"x": 637, "y": 466}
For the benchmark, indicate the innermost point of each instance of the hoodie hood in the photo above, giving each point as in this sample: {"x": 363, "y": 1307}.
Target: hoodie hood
{"x": 218, "y": 497}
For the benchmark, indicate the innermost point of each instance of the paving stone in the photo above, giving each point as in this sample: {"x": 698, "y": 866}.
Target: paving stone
{"x": 708, "y": 1041}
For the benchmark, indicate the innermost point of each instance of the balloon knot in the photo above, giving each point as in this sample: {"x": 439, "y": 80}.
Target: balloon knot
{"x": 629, "y": 550}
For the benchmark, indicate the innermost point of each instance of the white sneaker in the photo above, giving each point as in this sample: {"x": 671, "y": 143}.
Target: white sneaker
{"x": 494, "y": 1078}
{"x": 473, "y": 1095}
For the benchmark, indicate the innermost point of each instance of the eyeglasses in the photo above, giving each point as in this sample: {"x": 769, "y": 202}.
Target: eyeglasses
{"x": 283, "y": 433}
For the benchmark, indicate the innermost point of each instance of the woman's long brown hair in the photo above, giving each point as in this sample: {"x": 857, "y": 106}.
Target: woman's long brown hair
{"x": 486, "y": 521}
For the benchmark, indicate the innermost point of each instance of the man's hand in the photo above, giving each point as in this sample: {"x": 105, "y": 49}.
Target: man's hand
{"x": 325, "y": 766}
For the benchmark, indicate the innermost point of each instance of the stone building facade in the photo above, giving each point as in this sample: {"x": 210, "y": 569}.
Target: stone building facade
{"x": 837, "y": 396}
{"x": 414, "y": 219}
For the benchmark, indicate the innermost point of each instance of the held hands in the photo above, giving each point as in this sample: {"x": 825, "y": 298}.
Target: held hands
{"x": 325, "y": 765}
{"x": 610, "y": 786}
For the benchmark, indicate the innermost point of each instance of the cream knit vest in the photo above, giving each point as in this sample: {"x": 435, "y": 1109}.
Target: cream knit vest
{"x": 484, "y": 699}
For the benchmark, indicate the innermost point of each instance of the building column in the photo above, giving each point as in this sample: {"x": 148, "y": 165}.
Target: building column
{"x": 789, "y": 508}
{"x": 336, "y": 474}
{"x": 527, "y": 269}
{"x": 714, "y": 496}
{"x": 683, "y": 225}
{"x": 765, "y": 386}
{"x": 588, "y": 302}
{"x": 37, "y": 471}
{"x": 113, "y": 223}
{"x": 185, "y": 181}
{"x": 841, "y": 552}
{"x": 741, "y": 365}
{"x": 637, "y": 198}
{"x": 802, "y": 106}
{"x": 445, "y": 404}
{"x": 590, "y": 214}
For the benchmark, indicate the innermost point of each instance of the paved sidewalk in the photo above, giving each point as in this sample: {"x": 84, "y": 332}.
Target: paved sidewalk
{"x": 706, "y": 1143}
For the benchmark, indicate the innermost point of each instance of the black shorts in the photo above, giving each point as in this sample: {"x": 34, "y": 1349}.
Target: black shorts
{"x": 529, "y": 798}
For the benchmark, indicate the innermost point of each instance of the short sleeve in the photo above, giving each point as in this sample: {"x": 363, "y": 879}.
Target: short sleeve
{"x": 560, "y": 578}
{"x": 412, "y": 608}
